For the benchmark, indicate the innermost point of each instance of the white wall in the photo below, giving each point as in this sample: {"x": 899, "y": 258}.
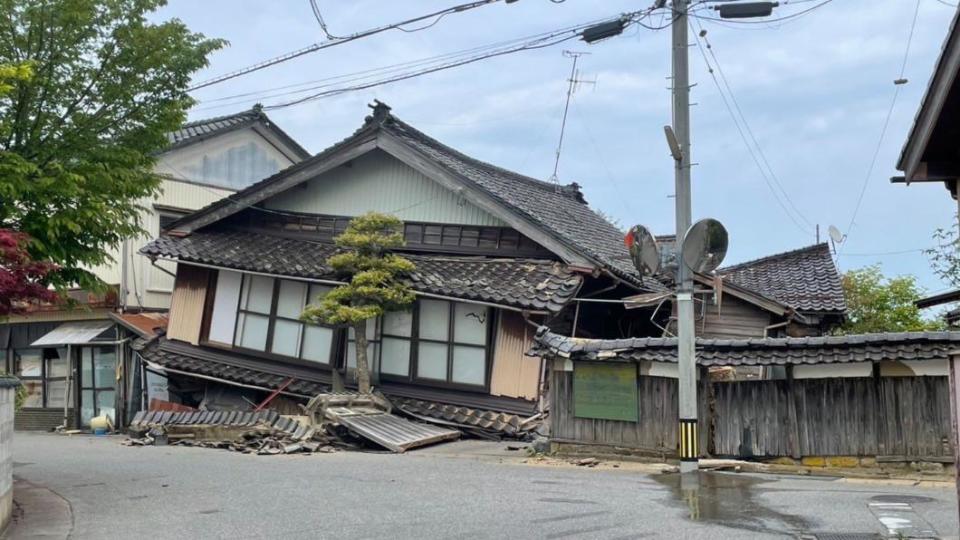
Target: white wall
{"x": 829, "y": 371}
{"x": 232, "y": 160}
{"x": 379, "y": 182}
{"x": 147, "y": 286}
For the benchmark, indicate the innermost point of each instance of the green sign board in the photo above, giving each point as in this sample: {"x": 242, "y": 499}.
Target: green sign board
{"x": 607, "y": 391}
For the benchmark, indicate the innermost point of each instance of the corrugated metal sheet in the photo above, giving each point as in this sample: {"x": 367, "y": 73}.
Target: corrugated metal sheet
{"x": 514, "y": 373}
{"x": 396, "y": 433}
{"x": 73, "y": 333}
{"x": 381, "y": 183}
{"x": 186, "y": 306}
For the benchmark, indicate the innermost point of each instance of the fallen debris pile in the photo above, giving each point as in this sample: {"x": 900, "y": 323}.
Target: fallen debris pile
{"x": 257, "y": 432}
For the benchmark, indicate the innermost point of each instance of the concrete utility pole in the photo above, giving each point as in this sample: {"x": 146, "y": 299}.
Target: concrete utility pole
{"x": 689, "y": 439}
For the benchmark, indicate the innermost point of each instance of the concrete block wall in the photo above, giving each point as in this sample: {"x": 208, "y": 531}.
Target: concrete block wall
{"x": 7, "y": 400}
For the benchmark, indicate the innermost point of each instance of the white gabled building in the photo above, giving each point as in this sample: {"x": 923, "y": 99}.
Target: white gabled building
{"x": 65, "y": 357}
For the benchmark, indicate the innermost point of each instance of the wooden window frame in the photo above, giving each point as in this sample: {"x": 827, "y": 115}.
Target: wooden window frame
{"x": 451, "y": 343}
{"x": 272, "y": 318}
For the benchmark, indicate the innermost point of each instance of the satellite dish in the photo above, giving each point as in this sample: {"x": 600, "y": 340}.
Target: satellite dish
{"x": 704, "y": 245}
{"x": 643, "y": 250}
{"x": 835, "y": 235}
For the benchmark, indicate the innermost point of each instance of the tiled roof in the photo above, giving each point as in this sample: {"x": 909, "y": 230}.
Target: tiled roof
{"x": 559, "y": 211}
{"x": 199, "y": 130}
{"x": 536, "y": 285}
{"x": 501, "y": 422}
{"x": 757, "y": 351}
{"x": 177, "y": 360}
{"x": 805, "y": 279}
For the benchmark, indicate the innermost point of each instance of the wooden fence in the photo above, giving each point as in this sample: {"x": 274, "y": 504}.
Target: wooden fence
{"x": 889, "y": 416}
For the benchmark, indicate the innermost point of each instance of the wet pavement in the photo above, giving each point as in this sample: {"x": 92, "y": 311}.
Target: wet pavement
{"x": 730, "y": 500}
{"x": 461, "y": 490}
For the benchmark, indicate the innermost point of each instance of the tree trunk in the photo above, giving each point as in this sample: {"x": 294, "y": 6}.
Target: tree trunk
{"x": 363, "y": 369}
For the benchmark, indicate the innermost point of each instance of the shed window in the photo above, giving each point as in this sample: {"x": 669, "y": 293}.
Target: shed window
{"x": 269, "y": 319}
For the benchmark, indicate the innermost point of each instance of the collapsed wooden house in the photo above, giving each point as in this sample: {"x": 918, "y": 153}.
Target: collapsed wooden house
{"x": 497, "y": 254}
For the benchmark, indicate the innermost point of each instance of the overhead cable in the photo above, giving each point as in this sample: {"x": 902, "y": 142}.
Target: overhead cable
{"x": 336, "y": 41}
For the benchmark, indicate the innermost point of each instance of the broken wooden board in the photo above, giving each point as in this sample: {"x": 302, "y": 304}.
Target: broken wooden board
{"x": 393, "y": 432}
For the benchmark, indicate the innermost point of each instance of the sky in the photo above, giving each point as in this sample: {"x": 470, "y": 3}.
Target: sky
{"x": 815, "y": 91}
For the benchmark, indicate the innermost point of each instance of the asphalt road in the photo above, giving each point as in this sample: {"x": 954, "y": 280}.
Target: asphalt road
{"x": 459, "y": 490}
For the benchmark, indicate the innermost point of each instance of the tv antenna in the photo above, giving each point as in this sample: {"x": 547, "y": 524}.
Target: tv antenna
{"x": 574, "y": 83}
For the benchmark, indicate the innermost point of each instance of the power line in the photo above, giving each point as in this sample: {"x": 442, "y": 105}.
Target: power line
{"x": 538, "y": 42}
{"x": 749, "y": 130}
{"x": 336, "y": 41}
{"x": 886, "y": 122}
{"x": 880, "y": 253}
{"x": 368, "y": 73}
{"x": 750, "y": 148}
{"x": 785, "y": 18}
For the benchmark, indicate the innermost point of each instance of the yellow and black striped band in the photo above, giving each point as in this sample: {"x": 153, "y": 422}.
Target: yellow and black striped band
{"x": 688, "y": 440}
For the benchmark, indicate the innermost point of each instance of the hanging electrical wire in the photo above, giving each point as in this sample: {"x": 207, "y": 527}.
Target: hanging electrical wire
{"x": 749, "y": 131}
{"x": 898, "y": 83}
{"x": 752, "y": 149}
{"x": 539, "y": 41}
{"x": 381, "y": 71}
{"x": 336, "y": 41}
{"x": 785, "y": 18}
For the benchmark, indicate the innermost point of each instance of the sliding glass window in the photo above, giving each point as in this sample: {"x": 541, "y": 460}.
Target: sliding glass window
{"x": 268, "y": 319}
{"x": 436, "y": 343}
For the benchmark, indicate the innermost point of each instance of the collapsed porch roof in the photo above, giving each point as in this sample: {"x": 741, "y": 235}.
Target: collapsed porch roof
{"x": 487, "y": 413}
{"x": 523, "y": 284}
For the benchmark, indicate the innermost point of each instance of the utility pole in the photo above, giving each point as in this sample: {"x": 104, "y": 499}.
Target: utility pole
{"x": 686, "y": 338}
{"x": 678, "y": 138}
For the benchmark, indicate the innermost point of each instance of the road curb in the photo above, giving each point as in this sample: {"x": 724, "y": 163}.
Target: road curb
{"x": 38, "y": 512}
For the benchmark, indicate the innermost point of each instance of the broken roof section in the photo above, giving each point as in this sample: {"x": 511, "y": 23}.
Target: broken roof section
{"x": 183, "y": 359}
{"x": 146, "y": 324}
{"x": 756, "y": 351}
{"x": 522, "y": 284}
{"x": 554, "y": 216}
{"x": 805, "y": 279}
{"x": 200, "y": 130}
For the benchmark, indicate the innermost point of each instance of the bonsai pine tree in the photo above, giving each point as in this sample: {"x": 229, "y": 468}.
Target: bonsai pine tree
{"x": 373, "y": 286}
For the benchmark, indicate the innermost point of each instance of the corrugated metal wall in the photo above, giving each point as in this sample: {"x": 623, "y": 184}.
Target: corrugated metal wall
{"x": 514, "y": 374}
{"x": 186, "y": 306}
{"x": 382, "y": 183}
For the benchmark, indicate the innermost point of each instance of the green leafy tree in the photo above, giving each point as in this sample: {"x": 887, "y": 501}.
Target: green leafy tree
{"x": 879, "y": 304}
{"x": 945, "y": 256}
{"x": 374, "y": 287}
{"x": 92, "y": 89}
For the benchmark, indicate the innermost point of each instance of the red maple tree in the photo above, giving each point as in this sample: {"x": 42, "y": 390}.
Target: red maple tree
{"x": 21, "y": 277}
